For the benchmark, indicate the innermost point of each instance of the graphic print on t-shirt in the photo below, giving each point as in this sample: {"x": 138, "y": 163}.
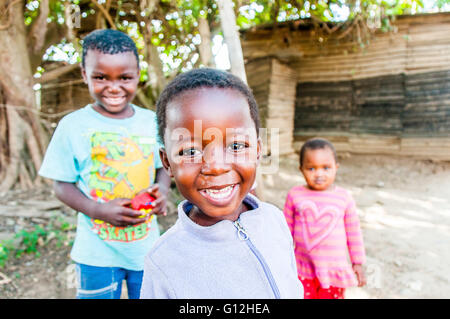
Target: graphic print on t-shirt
{"x": 122, "y": 165}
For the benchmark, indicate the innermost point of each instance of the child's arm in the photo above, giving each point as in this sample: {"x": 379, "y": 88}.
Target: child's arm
{"x": 355, "y": 242}
{"x": 113, "y": 212}
{"x": 357, "y": 268}
{"x": 288, "y": 212}
{"x": 159, "y": 190}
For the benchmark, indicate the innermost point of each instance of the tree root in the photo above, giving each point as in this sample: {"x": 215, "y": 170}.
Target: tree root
{"x": 22, "y": 158}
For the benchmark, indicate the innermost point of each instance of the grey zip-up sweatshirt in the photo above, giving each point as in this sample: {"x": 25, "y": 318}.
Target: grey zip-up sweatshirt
{"x": 252, "y": 257}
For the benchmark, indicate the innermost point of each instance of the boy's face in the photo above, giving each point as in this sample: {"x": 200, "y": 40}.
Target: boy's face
{"x": 112, "y": 80}
{"x": 213, "y": 159}
{"x": 319, "y": 168}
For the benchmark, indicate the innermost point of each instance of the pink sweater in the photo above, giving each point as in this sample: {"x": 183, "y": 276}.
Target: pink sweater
{"x": 326, "y": 231}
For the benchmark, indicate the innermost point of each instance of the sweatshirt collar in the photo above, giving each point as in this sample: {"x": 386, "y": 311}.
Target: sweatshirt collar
{"x": 222, "y": 231}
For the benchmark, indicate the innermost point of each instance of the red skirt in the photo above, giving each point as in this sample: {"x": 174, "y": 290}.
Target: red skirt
{"x": 312, "y": 290}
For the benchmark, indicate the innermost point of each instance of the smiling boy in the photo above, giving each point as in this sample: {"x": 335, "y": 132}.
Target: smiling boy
{"x": 100, "y": 157}
{"x": 225, "y": 243}
{"x": 220, "y": 184}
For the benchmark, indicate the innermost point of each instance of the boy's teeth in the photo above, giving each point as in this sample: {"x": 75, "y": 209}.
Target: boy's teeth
{"x": 115, "y": 99}
{"x": 219, "y": 193}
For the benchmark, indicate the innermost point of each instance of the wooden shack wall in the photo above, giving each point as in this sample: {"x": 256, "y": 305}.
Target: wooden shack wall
{"x": 420, "y": 44}
{"x": 391, "y": 97}
{"x": 274, "y": 87}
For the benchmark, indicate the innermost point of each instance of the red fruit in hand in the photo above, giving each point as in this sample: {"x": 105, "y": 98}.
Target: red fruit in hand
{"x": 142, "y": 201}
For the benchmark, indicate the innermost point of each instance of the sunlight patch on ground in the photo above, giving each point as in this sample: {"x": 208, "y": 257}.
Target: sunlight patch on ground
{"x": 377, "y": 214}
{"x": 422, "y": 203}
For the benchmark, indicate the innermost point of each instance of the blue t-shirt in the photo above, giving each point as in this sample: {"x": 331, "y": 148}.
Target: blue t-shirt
{"x": 107, "y": 158}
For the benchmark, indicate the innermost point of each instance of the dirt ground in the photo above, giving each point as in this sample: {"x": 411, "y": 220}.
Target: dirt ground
{"x": 403, "y": 204}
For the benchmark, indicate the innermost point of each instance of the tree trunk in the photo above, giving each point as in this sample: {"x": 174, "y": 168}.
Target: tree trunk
{"x": 156, "y": 78}
{"x": 23, "y": 139}
{"x": 157, "y": 67}
{"x": 205, "y": 48}
{"x": 231, "y": 37}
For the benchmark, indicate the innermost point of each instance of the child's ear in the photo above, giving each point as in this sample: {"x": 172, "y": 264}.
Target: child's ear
{"x": 258, "y": 149}
{"x": 165, "y": 161}
{"x": 83, "y": 74}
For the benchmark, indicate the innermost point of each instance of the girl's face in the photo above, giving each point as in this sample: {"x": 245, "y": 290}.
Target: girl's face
{"x": 319, "y": 168}
{"x": 112, "y": 80}
{"x": 211, "y": 149}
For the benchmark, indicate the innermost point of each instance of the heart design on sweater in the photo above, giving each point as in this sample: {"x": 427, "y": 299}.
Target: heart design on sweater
{"x": 316, "y": 224}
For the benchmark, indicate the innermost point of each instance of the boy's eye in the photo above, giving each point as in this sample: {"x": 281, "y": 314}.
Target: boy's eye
{"x": 236, "y": 146}
{"x": 127, "y": 78}
{"x": 99, "y": 77}
{"x": 189, "y": 152}
{"x": 311, "y": 169}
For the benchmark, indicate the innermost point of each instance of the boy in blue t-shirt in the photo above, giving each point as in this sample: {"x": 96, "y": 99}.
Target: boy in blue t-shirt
{"x": 100, "y": 157}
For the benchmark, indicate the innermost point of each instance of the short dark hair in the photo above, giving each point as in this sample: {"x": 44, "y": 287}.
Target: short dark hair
{"x": 203, "y": 78}
{"x": 108, "y": 41}
{"x": 315, "y": 144}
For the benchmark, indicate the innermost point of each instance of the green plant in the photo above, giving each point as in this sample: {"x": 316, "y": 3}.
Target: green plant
{"x": 6, "y": 247}
{"x": 58, "y": 228}
{"x": 30, "y": 240}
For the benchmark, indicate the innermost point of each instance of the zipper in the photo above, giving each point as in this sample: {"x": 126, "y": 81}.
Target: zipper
{"x": 243, "y": 236}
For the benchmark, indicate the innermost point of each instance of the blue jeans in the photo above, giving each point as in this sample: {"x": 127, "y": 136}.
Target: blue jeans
{"x": 106, "y": 282}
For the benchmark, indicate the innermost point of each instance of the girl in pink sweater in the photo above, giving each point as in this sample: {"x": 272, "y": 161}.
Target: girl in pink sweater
{"x": 325, "y": 226}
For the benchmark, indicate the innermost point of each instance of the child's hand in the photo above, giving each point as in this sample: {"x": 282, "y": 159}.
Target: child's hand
{"x": 117, "y": 213}
{"x": 160, "y": 203}
{"x": 359, "y": 274}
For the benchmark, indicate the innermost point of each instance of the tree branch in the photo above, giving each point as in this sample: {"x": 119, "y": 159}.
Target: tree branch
{"x": 56, "y": 73}
{"x": 39, "y": 113}
{"x": 39, "y": 27}
{"x": 349, "y": 28}
{"x": 106, "y": 14}
{"x": 9, "y": 21}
